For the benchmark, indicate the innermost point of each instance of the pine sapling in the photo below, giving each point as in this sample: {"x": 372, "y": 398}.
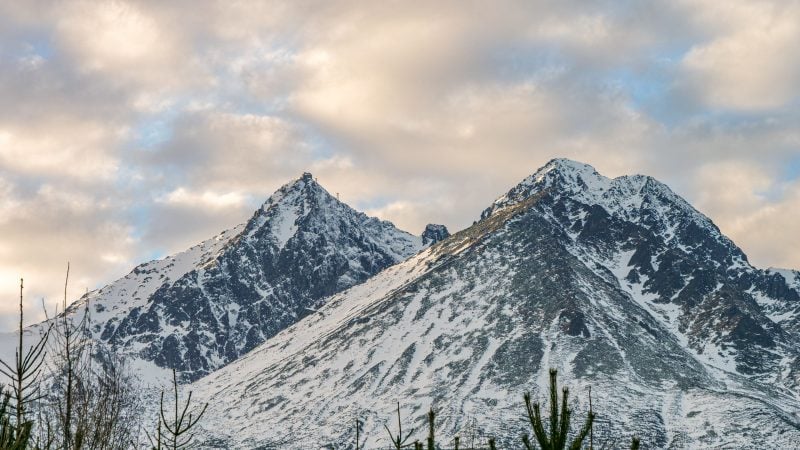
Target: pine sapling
{"x": 556, "y": 437}
{"x": 175, "y": 433}
{"x": 12, "y": 437}
{"x": 24, "y": 374}
{"x": 431, "y": 435}
{"x": 358, "y": 437}
{"x": 398, "y": 441}
{"x": 359, "y": 429}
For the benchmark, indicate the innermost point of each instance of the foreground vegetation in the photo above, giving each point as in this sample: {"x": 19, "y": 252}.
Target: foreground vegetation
{"x": 66, "y": 394}
{"x": 552, "y": 437}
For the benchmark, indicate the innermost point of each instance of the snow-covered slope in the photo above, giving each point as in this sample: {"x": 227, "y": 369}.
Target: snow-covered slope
{"x": 635, "y": 232}
{"x": 200, "y": 309}
{"x": 620, "y": 284}
{"x": 135, "y": 289}
{"x": 130, "y": 293}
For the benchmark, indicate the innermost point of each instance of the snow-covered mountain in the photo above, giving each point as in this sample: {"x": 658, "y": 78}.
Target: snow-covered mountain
{"x": 620, "y": 284}
{"x": 200, "y": 309}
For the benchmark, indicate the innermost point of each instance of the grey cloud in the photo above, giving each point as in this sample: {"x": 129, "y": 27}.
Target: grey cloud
{"x": 416, "y": 112}
{"x": 230, "y": 152}
{"x": 50, "y": 227}
{"x": 167, "y": 231}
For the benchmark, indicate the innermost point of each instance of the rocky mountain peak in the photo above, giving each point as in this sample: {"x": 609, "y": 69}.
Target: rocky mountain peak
{"x": 565, "y": 178}
{"x": 305, "y": 186}
{"x": 561, "y": 175}
{"x": 434, "y": 233}
{"x": 568, "y": 168}
{"x": 203, "y": 308}
{"x": 639, "y": 199}
{"x": 567, "y": 174}
{"x": 279, "y": 217}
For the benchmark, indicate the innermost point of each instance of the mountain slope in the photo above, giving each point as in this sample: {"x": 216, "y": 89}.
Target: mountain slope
{"x": 634, "y": 231}
{"x": 570, "y": 270}
{"x": 200, "y": 309}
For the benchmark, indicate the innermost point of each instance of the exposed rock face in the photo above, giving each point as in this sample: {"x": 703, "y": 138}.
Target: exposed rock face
{"x": 620, "y": 284}
{"x": 434, "y": 233}
{"x": 674, "y": 262}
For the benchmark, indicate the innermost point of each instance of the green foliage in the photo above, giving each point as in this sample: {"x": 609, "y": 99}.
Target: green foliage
{"x": 431, "y": 435}
{"x": 12, "y": 437}
{"x": 552, "y": 433}
{"x": 559, "y": 424}
{"x": 358, "y": 434}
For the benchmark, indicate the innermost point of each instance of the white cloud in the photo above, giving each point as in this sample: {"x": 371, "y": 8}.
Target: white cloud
{"x": 750, "y": 62}
{"x": 125, "y": 40}
{"x": 204, "y": 199}
{"x": 417, "y": 112}
{"x": 758, "y": 210}
{"x": 51, "y": 227}
{"x": 65, "y": 148}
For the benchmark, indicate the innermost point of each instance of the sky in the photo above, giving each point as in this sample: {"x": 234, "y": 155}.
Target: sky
{"x": 132, "y": 130}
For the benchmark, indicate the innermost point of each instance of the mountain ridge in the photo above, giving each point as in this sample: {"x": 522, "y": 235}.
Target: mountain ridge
{"x": 199, "y": 309}
{"x": 619, "y": 283}
{"x": 544, "y": 279}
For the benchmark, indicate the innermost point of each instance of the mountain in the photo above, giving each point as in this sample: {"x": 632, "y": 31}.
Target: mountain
{"x": 620, "y": 284}
{"x": 434, "y": 233}
{"x": 673, "y": 261}
{"x": 200, "y": 309}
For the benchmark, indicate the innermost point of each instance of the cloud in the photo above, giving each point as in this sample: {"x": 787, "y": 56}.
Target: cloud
{"x": 750, "y": 203}
{"x": 113, "y": 36}
{"x": 45, "y": 229}
{"x": 231, "y": 152}
{"x": 164, "y": 231}
{"x": 750, "y": 62}
{"x": 60, "y": 149}
{"x": 205, "y": 199}
{"x": 139, "y": 129}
